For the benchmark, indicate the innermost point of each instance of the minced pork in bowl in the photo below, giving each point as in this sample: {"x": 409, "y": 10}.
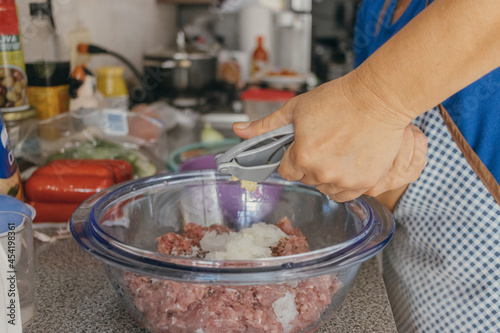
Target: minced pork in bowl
{"x": 194, "y": 252}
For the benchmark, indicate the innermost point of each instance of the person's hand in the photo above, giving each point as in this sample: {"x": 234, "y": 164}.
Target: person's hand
{"x": 408, "y": 165}
{"x": 347, "y": 141}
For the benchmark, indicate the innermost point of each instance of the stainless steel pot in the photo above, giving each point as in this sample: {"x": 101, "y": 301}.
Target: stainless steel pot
{"x": 180, "y": 72}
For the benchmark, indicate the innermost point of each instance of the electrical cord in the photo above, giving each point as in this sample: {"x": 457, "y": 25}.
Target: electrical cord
{"x": 149, "y": 95}
{"x": 94, "y": 49}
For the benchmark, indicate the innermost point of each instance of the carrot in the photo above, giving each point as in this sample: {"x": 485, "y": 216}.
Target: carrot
{"x": 53, "y": 212}
{"x": 62, "y": 168}
{"x": 67, "y": 189}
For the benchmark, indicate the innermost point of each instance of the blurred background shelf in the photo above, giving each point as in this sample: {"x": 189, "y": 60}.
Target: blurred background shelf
{"x": 186, "y": 2}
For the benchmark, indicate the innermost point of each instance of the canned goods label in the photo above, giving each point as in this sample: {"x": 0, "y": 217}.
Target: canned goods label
{"x": 8, "y": 162}
{"x": 10, "y": 43}
{"x": 10, "y": 179}
{"x": 13, "y": 79}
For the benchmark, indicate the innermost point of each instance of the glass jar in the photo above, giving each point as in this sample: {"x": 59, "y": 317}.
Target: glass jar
{"x": 19, "y": 124}
{"x": 111, "y": 84}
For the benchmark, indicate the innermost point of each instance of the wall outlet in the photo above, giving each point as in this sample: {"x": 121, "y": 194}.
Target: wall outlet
{"x": 75, "y": 37}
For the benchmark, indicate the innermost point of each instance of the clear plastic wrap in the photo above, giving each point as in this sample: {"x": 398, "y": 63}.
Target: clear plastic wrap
{"x": 97, "y": 134}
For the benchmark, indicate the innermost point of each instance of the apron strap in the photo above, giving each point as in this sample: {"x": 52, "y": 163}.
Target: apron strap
{"x": 475, "y": 162}
{"x": 391, "y": 198}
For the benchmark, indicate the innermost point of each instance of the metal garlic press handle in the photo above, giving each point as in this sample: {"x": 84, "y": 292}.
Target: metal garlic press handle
{"x": 256, "y": 158}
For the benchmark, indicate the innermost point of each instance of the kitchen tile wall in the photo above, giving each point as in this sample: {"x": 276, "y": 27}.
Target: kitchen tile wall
{"x": 129, "y": 27}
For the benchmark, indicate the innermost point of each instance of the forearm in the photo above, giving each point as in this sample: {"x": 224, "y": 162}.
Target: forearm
{"x": 445, "y": 48}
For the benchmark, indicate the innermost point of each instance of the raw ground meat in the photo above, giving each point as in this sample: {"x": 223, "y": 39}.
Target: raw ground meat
{"x": 174, "y": 307}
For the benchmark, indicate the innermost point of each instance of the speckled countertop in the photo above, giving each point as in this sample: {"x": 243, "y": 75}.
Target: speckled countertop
{"x": 73, "y": 295}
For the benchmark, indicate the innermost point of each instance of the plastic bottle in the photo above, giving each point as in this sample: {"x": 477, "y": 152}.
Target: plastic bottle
{"x": 47, "y": 65}
{"x": 111, "y": 84}
{"x": 259, "y": 58}
{"x": 13, "y": 81}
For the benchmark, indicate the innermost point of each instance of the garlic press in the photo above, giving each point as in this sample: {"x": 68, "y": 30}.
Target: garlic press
{"x": 255, "y": 159}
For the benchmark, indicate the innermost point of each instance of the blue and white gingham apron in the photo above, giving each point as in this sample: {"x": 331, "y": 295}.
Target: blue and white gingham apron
{"x": 442, "y": 267}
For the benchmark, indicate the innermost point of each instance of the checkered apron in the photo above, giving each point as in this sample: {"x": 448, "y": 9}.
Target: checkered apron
{"x": 442, "y": 268}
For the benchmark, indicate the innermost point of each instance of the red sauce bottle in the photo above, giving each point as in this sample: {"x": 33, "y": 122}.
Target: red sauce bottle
{"x": 259, "y": 58}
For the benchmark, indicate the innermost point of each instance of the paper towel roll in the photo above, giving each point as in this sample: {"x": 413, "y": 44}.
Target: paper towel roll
{"x": 256, "y": 21}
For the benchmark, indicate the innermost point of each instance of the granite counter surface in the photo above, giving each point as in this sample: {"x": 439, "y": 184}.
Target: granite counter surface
{"x": 73, "y": 295}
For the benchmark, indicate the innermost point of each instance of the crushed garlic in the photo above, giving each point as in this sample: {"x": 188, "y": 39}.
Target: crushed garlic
{"x": 246, "y": 184}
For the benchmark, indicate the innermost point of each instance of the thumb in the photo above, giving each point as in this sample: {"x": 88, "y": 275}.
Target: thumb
{"x": 277, "y": 119}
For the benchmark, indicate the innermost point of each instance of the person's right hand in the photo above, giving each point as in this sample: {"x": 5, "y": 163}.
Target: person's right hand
{"x": 348, "y": 141}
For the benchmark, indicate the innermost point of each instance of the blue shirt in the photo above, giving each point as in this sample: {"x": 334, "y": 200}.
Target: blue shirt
{"x": 475, "y": 109}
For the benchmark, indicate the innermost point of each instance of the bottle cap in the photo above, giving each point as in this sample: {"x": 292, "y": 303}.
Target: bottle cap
{"x": 8, "y": 18}
{"x": 11, "y": 204}
{"x": 39, "y": 8}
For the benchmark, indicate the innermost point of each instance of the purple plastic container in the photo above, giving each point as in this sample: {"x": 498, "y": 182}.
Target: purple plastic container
{"x": 239, "y": 204}
{"x": 199, "y": 163}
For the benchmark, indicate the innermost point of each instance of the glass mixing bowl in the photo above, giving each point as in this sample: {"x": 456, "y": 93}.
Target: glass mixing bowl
{"x": 164, "y": 293}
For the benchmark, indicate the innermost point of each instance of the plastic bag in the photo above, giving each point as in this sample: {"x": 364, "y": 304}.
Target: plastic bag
{"x": 168, "y": 115}
{"x": 97, "y": 134}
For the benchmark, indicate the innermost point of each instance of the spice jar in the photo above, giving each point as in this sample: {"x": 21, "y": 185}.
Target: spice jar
{"x": 18, "y": 125}
{"x": 111, "y": 84}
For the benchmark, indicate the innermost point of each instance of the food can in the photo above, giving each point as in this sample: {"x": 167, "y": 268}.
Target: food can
{"x": 13, "y": 79}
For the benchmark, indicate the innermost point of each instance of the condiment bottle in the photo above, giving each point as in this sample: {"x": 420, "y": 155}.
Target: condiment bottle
{"x": 10, "y": 177}
{"x": 111, "y": 84}
{"x": 47, "y": 65}
{"x": 259, "y": 58}
{"x": 13, "y": 81}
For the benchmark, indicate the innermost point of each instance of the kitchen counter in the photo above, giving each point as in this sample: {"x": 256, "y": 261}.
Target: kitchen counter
{"x": 73, "y": 295}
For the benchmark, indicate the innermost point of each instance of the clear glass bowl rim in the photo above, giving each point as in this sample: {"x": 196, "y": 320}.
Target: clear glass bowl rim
{"x": 86, "y": 231}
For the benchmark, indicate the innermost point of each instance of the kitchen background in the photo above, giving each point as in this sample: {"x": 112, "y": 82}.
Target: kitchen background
{"x": 129, "y": 27}
{"x": 119, "y": 95}
{"x": 187, "y": 70}
{"x": 135, "y": 27}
